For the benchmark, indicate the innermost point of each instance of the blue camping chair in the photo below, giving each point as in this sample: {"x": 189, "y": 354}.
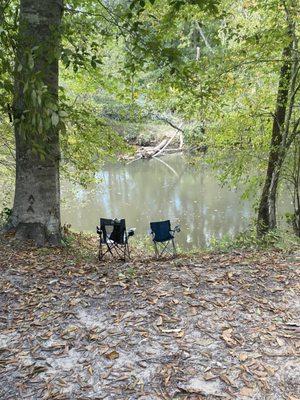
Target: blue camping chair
{"x": 163, "y": 236}
{"x": 113, "y": 234}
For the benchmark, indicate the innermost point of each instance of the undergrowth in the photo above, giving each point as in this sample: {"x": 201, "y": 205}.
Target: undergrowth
{"x": 279, "y": 239}
{"x": 84, "y": 247}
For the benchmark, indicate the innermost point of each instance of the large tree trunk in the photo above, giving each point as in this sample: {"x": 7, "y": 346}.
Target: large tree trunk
{"x": 36, "y": 209}
{"x": 267, "y": 208}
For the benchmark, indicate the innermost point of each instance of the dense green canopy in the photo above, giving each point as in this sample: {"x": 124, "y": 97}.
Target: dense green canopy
{"x": 215, "y": 65}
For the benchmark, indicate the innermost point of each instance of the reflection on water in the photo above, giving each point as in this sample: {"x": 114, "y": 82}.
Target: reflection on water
{"x": 149, "y": 190}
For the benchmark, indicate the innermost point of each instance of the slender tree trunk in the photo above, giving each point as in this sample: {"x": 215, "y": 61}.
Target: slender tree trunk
{"x": 36, "y": 209}
{"x": 296, "y": 189}
{"x": 267, "y": 207}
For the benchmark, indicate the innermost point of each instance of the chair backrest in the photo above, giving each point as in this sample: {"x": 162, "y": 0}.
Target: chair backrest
{"x": 114, "y": 230}
{"x": 161, "y": 230}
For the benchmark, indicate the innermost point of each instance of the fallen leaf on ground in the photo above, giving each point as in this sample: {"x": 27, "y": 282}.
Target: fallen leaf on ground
{"x": 209, "y": 375}
{"x": 246, "y": 391}
{"x": 226, "y": 335}
{"x": 112, "y": 355}
{"x": 243, "y": 357}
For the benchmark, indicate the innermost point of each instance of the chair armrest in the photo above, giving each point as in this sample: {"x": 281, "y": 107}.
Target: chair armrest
{"x": 176, "y": 229}
{"x": 131, "y": 232}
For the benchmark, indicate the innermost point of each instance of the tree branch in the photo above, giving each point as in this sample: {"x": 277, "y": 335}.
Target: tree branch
{"x": 204, "y": 38}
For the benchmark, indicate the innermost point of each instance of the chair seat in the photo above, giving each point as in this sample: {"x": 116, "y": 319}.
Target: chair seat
{"x": 165, "y": 238}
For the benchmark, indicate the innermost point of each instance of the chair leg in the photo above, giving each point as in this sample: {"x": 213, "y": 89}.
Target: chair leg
{"x": 156, "y": 249}
{"x": 120, "y": 252}
{"x": 174, "y": 247}
{"x": 115, "y": 251}
{"x": 109, "y": 249}
{"x": 100, "y": 254}
{"x": 127, "y": 250}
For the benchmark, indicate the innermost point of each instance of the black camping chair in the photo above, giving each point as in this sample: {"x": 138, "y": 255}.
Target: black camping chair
{"x": 114, "y": 236}
{"x": 163, "y": 236}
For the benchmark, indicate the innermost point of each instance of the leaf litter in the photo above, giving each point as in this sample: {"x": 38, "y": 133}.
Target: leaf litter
{"x": 205, "y": 326}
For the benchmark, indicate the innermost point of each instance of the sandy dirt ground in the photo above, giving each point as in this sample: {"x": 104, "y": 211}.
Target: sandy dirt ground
{"x": 210, "y": 326}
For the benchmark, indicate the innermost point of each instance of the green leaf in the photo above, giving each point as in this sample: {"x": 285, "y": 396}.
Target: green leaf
{"x": 55, "y": 119}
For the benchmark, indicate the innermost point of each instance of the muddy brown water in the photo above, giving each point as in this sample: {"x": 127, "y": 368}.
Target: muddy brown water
{"x": 158, "y": 189}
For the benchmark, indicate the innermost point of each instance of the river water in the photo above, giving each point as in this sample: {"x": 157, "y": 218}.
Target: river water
{"x": 158, "y": 189}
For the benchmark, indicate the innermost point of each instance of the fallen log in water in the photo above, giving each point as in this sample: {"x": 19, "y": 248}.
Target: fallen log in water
{"x": 173, "y": 150}
{"x": 165, "y": 145}
{"x": 150, "y": 152}
{"x": 160, "y": 149}
{"x": 146, "y": 154}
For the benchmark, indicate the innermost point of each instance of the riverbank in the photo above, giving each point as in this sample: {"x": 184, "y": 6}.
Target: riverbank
{"x": 202, "y": 326}
{"x": 153, "y": 138}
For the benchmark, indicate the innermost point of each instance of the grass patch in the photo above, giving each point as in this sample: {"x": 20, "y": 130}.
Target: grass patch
{"x": 85, "y": 246}
{"x": 279, "y": 239}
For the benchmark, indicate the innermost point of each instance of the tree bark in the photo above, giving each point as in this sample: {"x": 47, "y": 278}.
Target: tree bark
{"x": 36, "y": 209}
{"x": 266, "y": 220}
